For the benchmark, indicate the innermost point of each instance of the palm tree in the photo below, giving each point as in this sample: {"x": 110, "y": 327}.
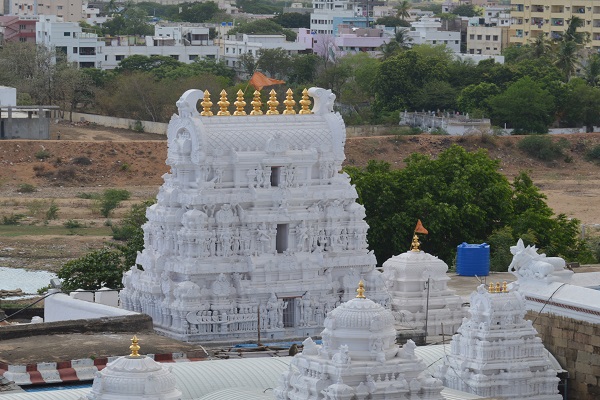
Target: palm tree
{"x": 398, "y": 43}
{"x": 540, "y": 46}
{"x": 567, "y": 58}
{"x": 592, "y": 70}
{"x": 402, "y": 10}
{"x": 572, "y": 34}
{"x": 402, "y": 37}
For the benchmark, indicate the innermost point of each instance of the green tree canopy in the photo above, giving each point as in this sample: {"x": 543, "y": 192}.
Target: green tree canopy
{"x": 264, "y": 27}
{"x": 199, "y": 12}
{"x": 525, "y": 106}
{"x": 460, "y": 197}
{"x": 293, "y": 20}
{"x": 475, "y": 97}
{"x": 392, "y": 21}
{"x": 466, "y": 10}
{"x": 132, "y": 20}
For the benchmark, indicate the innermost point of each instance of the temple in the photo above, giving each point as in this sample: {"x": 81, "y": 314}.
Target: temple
{"x": 359, "y": 359}
{"x": 497, "y": 353}
{"x": 255, "y": 228}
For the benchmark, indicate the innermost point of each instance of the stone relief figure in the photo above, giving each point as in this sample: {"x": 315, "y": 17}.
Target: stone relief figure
{"x": 342, "y": 357}
{"x": 408, "y": 350}
{"x": 273, "y": 311}
{"x": 263, "y": 238}
{"x": 377, "y": 350}
{"x": 221, "y": 286}
{"x": 302, "y": 237}
{"x": 306, "y": 310}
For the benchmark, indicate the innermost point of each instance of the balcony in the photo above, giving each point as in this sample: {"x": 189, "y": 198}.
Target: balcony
{"x": 537, "y": 8}
{"x": 557, "y": 10}
{"x": 557, "y": 21}
{"x": 578, "y": 10}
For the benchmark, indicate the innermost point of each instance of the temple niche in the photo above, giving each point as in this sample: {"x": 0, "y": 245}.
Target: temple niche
{"x": 255, "y": 225}
{"x": 414, "y": 304}
{"x": 497, "y": 353}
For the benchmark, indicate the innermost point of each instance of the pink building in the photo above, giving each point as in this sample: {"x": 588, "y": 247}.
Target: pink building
{"x": 18, "y": 29}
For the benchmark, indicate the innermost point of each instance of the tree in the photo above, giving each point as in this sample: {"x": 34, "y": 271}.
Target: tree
{"x": 567, "y": 58}
{"x": 475, "y": 97}
{"x": 392, "y": 21}
{"x": 131, "y": 21}
{"x": 304, "y": 68}
{"x": 264, "y": 27}
{"x": 592, "y": 70}
{"x": 141, "y": 63}
{"x": 248, "y": 63}
{"x": 275, "y": 62}
{"x": 72, "y": 88}
{"x": 459, "y": 196}
{"x": 540, "y": 46}
{"x": 466, "y": 10}
{"x": 293, "y": 20}
{"x": 199, "y": 12}
{"x": 130, "y": 232}
{"x": 582, "y": 105}
{"x": 100, "y": 268}
{"x": 402, "y": 9}
{"x": 436, "y": 95}
{"x": 524, "y": 106}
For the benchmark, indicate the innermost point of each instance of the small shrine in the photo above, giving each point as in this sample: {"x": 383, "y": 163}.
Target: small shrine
{"x": 255, "y": 228}
{"x": 496, "y": 352}
{"x": 134, "y": 377}
{"x": 418, "y": 285}
{"x": 359, "y": 359}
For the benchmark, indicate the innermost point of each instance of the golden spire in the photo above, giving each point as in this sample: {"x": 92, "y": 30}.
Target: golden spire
{"x": 256, "y": 104}
{"x": 223, "y": 104}
{"x": 206, "y": 105}
{"x": 415, "y": 244}
{"x": 240, "y": 104}
{"x": 361, "y": 290}
{"x": 305, "y": 103}
{"x": 491, "y": 288}
{"x": 504, "y": 287}
{"x": 289, "y": 103}
{"x": 498, "y": 288}
{"x": 272, "y": 103}
{"x": 134, "y": 347}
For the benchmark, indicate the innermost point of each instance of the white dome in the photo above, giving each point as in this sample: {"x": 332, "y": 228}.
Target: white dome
{"x": 364, "y": 326}
{"x": 134, "y": 377}
{"x": 414, "y": 264}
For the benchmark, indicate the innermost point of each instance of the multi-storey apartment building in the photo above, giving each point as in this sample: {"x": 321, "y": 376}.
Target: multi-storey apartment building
{"x": 530, "y": 18}
{"x": 18, "y": 29}
{"x": 67, "y": 10}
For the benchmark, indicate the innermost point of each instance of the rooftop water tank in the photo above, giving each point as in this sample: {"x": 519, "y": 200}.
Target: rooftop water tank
{"x": 473, "y": 259}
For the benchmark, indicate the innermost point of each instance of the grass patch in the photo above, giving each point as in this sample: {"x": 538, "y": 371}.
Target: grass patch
{"x": 44, "y": 230}
{"x": 541, "y": 147}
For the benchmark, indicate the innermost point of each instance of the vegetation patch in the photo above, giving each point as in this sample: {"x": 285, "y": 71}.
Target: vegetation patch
{"x": 541, "y": 147}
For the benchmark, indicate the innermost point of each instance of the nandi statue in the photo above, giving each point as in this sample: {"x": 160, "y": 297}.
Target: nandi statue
{"x": 528, "y": 264}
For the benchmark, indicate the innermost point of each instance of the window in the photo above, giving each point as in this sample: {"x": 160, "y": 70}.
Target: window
{"x": 434, "y": 41}
{"x": 66, "y": 33}
{"x": 193, "y": 57}
{"x": 22, "y": 39}
{"x": 479, "y": 37}
{"x": 456, "y": 42}
{"x": 175, "y": 56}
{"x": 487, "y": 37}
{"x": 22, "y": 27}
{"x": 275, "y": 175}
{"x": 281, "y": 241}
{"x": 495, "y": 38}
{"x": 119, "y": 57}
{"x": 472, "y": 37}
{"x": 74, "y": 50}
{"x": 59, "y": 7}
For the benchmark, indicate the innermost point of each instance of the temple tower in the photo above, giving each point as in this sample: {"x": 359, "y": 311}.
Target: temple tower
{"x": 255, "y": 224}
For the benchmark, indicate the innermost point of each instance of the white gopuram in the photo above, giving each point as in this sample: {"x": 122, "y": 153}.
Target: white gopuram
{"x": 134, "y": 377}
{"x": 418, "y": 285}
{"x": 359, "y": 359}
{"x": 497, "y": 353}
{"x": 255, "y": 226}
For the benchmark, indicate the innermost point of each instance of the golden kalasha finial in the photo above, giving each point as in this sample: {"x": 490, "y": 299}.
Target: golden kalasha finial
{"x": 415, "y": 244}
{"x": 289, "y": 103}
{"x": 206, "y": 105}
{"x": 498, "y": 287}
{"x": 272, "y": 103}
{"x": 361, "y": 290}
{"x": 223, "y": 104}
{"x": 134, "y": 347}
{"x": 491, "y": 288}
{"x": 239, "y": 104}
{"x": 504, "y": 287}
{"x": 256, "y": 104}
{"x": 305, "y": 103}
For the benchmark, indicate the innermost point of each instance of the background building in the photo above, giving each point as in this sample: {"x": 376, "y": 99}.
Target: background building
{"x": 68, "y": 10}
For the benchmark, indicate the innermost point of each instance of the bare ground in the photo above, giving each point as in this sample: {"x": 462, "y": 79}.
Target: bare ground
{"x": 136, "y": 162}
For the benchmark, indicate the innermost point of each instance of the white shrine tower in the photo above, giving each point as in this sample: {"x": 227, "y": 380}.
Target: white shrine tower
{"x": 497, "y": 353}
{"x": 418, "y": 285}
{"x": 255, "y": 225}
{"x": 359, "y": 359}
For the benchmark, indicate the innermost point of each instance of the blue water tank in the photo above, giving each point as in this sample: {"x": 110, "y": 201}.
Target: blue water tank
{"x": 473, "y": 259}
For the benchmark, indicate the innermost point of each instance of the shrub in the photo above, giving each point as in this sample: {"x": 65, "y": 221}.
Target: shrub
{"x": 91, "y": 272}
{"x": 541, "y": 147}
{"x": 66, "y": 173}
{"x": 52, "y": 212}
{"x": 86, "y": 196}
{"x": 125, "y": 167}
{"x": 35, "y": 207}
{"x": 26, "y": 188}
{"x": 439, "y": 131}
{"x": 593, "y": 154}
{"x": 82, "y": 161}
{"x": 12, "y": 219}
{"x": 73, "y": 224}
{"x": 138, "y": 126}
{"x": 111, "y": 198}
{"x": 42, "y": 154}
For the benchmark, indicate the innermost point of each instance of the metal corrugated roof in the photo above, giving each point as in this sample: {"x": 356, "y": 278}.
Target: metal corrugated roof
{"x": 433, "y": 356}
{"x": 68, "y": 394}
{"x": 239, "y": 394}
{"x": 198, "y": 379}
{"x": 451, "y": 394}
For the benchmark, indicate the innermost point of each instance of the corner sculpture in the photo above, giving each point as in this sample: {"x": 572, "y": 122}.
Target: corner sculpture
{"x": 255, "y": 225}
{"x": 528, "y": 264}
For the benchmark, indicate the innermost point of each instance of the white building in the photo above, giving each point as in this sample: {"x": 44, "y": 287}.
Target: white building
{"x": 255, "y": 228}
{"x": 83, "y": 49}
{"x": 427, "y": 31}
{"x": 183, "y": 42}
